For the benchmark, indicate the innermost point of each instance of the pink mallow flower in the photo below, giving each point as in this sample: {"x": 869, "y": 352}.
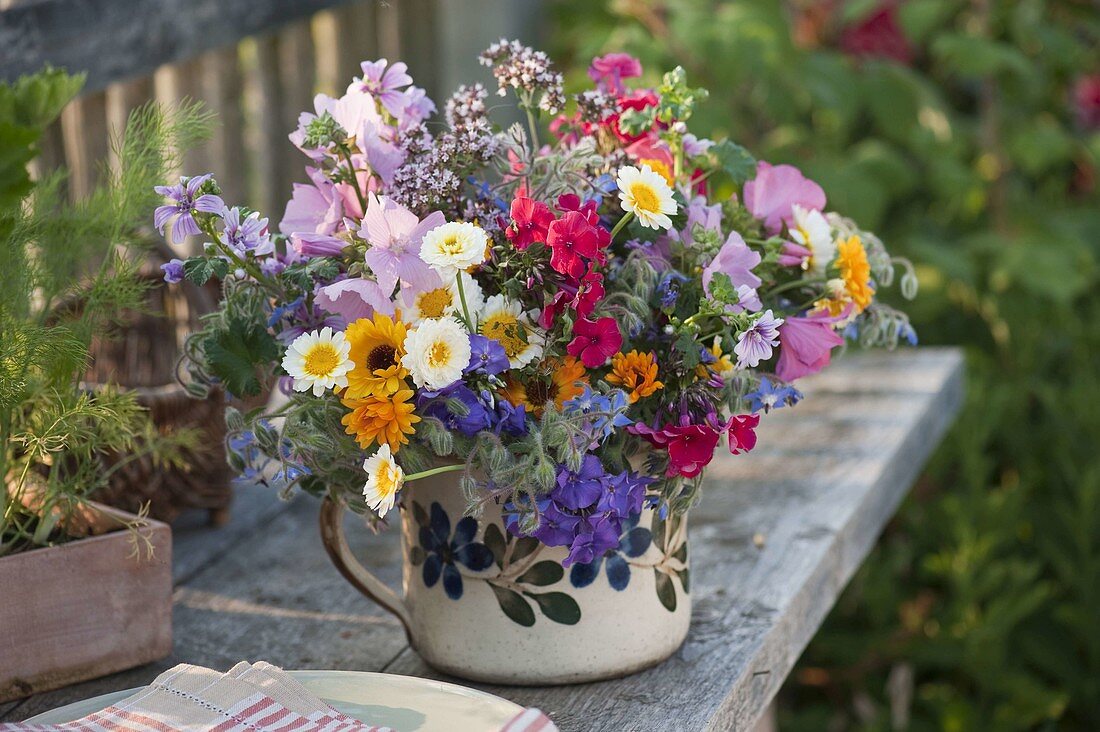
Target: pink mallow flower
{"x": 385, "y": 84}
{"x": 315, "y": 208}
{"x": 771, "y": 195}
{"x": 353, "y": 298}
{"x": 736, "y": 260}
{"x": 755, "y": 344}
{"x": 595, "y": 341}
{"x": 805, "y": 345}
{"x": 395, "y": 236}
{"x": 609, "y": 71}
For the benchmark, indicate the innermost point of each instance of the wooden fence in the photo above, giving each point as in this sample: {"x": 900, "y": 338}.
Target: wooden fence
{"x": 255, "y": 63}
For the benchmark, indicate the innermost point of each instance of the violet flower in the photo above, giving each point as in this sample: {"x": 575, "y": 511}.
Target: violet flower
{"x": 756, "y": 343}
{"x": 385, "y": 83}
{"x": 736, "y": 260}
{"x": 772, "y": 194}
{"x": 395, "y": 235}
{"x": 185, "y": 201}
{"x": 173, "y": 271}
{"x": 244, "y": 235}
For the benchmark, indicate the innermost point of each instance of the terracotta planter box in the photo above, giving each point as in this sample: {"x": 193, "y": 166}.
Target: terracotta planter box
{"x": 84, "y": 609}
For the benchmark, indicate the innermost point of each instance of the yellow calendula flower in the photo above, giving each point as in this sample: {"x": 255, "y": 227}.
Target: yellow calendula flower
{"x": 636, "y": 373}
{"x": 377, "y": 345}
{"x": 384, "y": 479}
{"x": 385, "y": 419}
{"x": 565, "y": 380}
{"x": 855, "y": 271}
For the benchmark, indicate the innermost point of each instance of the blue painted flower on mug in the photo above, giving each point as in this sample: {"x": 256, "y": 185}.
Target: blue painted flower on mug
{"x": 634, "y": 542}
{"x": 444, "y": 551}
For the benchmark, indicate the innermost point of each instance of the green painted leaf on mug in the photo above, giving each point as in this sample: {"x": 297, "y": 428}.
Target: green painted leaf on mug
{"x": 524, "y": 548}
{"x": 417, "y": 556}
{"x": 681, "y": 553}
{"x": 685, "y": 578}
{"x": 420, "y": 514}
{"x": 543, "y": 573}
{"x": 666, "y": 591}
{"x": 494, "y": 539}
{"x": 514, "y": 606}
{"x": 558, "y": 606}
{"x": 658, "y": 530}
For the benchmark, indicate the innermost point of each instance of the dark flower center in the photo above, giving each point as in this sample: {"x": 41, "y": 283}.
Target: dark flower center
{"x": 539, "y": 392}
{"x": 381, "y": 357}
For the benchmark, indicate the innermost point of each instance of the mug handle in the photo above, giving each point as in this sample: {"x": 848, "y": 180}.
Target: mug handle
{"x": 336, "y": 543}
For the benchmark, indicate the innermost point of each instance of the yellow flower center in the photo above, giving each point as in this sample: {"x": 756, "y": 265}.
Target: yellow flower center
{"x": 439, "y": 354}
{"x": 508, "y": 331}
{"x": 387, "y": 480}
{"x": 645, "y": 198}
{"x": 434, "y": 303}
{"x": 321, "y": 360}
{"x": 451, "y": 245}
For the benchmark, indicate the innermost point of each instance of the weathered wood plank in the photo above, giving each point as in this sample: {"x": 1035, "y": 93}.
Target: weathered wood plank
{"x": 117, "y": 39}
{"x": 84, "y": 124}
{"x": 274, "y": 152}
{"x": 824, "y": 481}
{"x": 222, "y": 90}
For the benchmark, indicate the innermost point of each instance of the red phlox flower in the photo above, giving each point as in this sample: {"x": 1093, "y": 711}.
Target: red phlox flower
{"x": 690, "y": 446}
{"x": 572, "y": 241}
{"x": 590, "y": 293}
{"x": 530, "y": 221}
{"x": 742, "y": 432}
{"x": 639, "y": 99}
{"x": 595, "y": 341}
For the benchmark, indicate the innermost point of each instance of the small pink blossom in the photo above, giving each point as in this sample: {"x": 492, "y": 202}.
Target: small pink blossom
{"x": 353, "y": 298}
{"x": 608, "y": 71}
{"x": 771, "y": 195}
{"x": 805, "y": 345}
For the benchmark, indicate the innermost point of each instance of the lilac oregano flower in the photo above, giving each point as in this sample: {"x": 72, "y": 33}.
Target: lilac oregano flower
{"x": 185, "y": 201}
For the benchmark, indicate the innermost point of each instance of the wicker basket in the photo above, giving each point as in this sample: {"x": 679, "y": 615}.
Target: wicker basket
{"x": 142, "y": 358}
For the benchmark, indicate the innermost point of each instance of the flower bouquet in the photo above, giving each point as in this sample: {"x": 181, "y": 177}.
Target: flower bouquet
{"x": 534, "y": 348}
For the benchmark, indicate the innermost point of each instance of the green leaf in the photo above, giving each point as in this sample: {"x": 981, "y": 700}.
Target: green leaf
{"x": 234, "y": 353}
{"x": 681, "y": 553}
{"x": 524, "y": 547}
{"x": 658, "y": 531}
{"x": 666, "y": 591}
{"x": 420, "y": 514}
{"x": 685, "y": 578}
{"x": 494, "y": 539}
{"x": 736, "y": 161}
{"x": 514, "y": 606}
{"x": 558, "y": 606}
{"x": 417, "y": 556}
{"x": 198, "y": 269}
{"x": 542, "y": 574}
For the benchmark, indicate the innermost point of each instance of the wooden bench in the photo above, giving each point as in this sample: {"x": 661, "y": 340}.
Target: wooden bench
{"x": 778, "y": 534}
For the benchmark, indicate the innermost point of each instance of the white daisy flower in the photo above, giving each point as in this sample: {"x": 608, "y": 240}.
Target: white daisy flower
{"x": 812, "y": 231}
{"x": 452, "y": 247}
{"x": 442, "y": 300}
{"x": 319, "y": 360}
{"x": 647, "y": 195}
{"x": 504, "y": 321}
{"x": 436, "y": 352}
{"x": 384, "y": 479}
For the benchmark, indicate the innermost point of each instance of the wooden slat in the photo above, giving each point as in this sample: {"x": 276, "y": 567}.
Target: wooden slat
{"x": 273, "y": 148}
{"x": 122, "y": 99}
{"x": 84, "y": 124}
{"x": 222, "y": 91}
{"x": 389, "y": 30}
{"x": 420, "y": 39}
{"x": 346, "y": 36}
{"x": 51, "y": 152}
{"x": 118, "y": 39}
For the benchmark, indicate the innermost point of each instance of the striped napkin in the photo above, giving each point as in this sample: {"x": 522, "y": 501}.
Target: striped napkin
{"x": 255, "y": 697}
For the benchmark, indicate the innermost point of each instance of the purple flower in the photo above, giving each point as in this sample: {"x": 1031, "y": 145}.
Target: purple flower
{"x": 185, "y": 201}
{"x": 308, "y": 244}
{"x": 736, "y": 260}
{"x": 173, "y": 271}
{"x": 314, "y": 209}
{"x": 384, "y": 84}
{"x": 246, "y": 235}
{"x": 771, "y": 195}
{"x": 354, "y": 298}
{"x": 756, "y": 343}
{"x": 487, "y": 356}
{"x": 395, "y": 234}
{"x": 595, "y": 538}
{"x": 698, "y": 212}
{"x": 475, "y": 418}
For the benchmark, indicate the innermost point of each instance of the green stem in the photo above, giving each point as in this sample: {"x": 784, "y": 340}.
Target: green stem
{"x": 434, "y": 471}
{"x": 793, "y": 285}
{"x": 354, "y": 178}
{"x": 462, "y": 299}
{"x": 533, "y": 127}
{"x": 622, "y": 222}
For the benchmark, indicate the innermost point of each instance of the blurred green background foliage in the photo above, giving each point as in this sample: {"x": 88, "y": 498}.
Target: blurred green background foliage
{"x": 967, "y": 134}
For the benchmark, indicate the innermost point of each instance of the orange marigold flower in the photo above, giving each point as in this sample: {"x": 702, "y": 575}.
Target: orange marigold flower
{"x": 636, "y": 373}
{"x": 385, "y": 419}
{"x": 564, "y": 380}
{"x": 855, "y": 271}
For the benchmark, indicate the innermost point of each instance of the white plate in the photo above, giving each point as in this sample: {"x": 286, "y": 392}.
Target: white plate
{"x": 405, "y": 703}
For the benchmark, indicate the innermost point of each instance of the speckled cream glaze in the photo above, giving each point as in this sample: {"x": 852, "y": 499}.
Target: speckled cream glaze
{"x": 618, "y": 631}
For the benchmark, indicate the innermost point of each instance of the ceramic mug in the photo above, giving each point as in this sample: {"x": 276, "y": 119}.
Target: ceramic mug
{"x": 484, "y": 605}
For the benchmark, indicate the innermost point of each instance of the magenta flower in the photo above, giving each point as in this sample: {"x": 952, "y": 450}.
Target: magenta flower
{"x": 756, "y": 343}
{"x": 735, "y": 260}
{"x": 609, "y": 71}
{"x": 313, "y": 208}
{"x": 1086, "y": 101}
{"x": 804, "y": 345}
{"x": 771, "y": 195}
{"x": 185, "y": 202}
{"x": 595, "y": 341}
{"x": 353, "y": 298}
{"x": 690, "y": 446}
{"x": 530, "y": 221}
{"x": 572, "y": 241}
{"x": 742, "y": 432}
{"x": 395, "y": 235}
{"x": 385, "y": 84}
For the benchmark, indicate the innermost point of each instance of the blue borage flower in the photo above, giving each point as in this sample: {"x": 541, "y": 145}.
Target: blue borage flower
{"x": 769, "y": 396}
{"x": 634, "y": 542}
{"x": 609, "y": 413}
